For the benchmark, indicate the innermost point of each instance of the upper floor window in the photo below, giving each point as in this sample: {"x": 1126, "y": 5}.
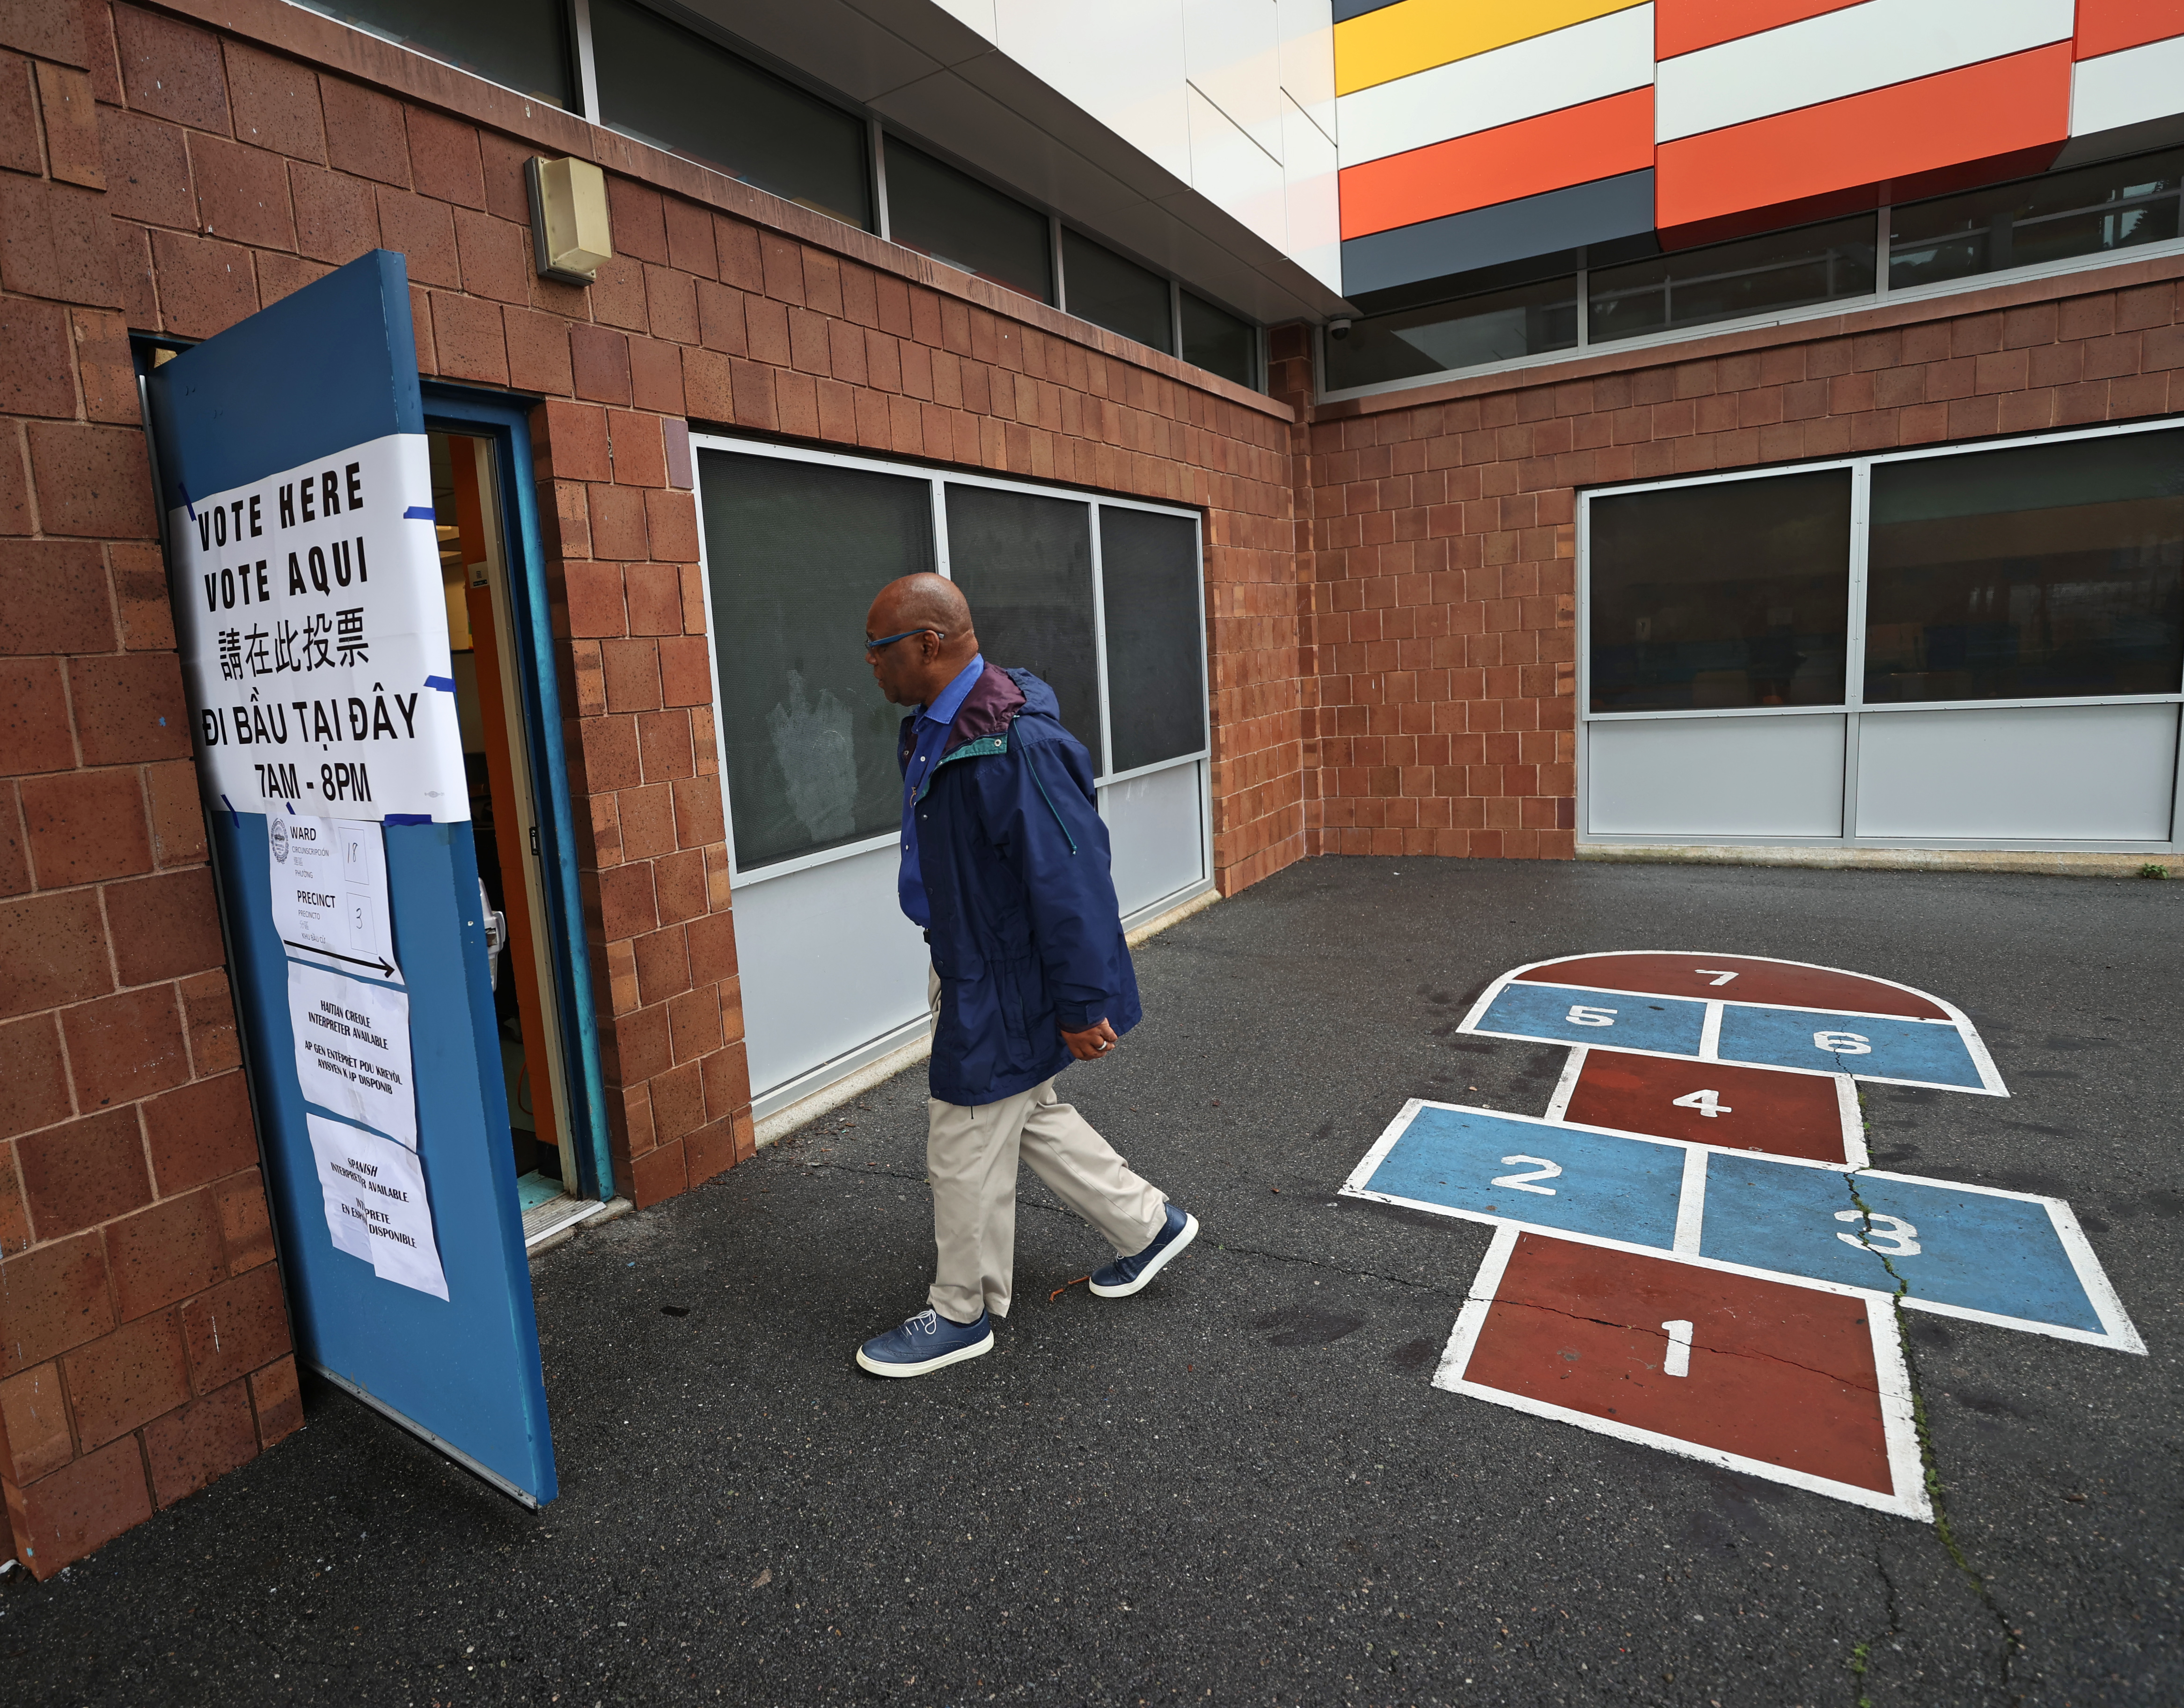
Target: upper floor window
{"x": 951, "y": 216}
{"x": 666, "y": 86}
{"x": 522, "y": 45}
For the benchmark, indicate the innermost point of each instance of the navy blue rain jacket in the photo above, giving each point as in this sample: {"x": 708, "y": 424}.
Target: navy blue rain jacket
{"x": 1026, "y": 935}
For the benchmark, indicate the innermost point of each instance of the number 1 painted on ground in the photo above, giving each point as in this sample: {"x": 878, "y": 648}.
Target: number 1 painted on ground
{"x": 1677, "y": 1362}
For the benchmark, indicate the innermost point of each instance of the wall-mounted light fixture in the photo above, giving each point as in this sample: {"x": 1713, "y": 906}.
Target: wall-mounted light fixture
{"x": 569, "y": 234}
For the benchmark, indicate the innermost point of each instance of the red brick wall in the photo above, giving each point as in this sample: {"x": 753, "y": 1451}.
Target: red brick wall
{"x": 143, "y": 1340}
{"x": 172, "y": 170}
{"x": 1443, "y": 548}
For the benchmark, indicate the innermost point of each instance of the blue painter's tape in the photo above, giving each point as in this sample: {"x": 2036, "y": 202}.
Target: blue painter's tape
{"x": 407, "y": 818}
{"x": 1975, "y": 1251}
{"x": 419, "y": 512}
{"x": 1671, "y": 1025}
{"x": 361, "y": 382}
{"x": 1612, "y": 1188}
{"x": 233, "y": 817}
{"x": 445, "y": 684}
{"x": 1892, "y": 1048}
{"x": 187, "y": 504}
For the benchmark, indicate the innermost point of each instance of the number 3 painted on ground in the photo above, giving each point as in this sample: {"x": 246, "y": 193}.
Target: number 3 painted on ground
{"x": 1582, "y": 1016}
{"x": 1902, "y": 1238}
{"x": 1842, "y": 1043}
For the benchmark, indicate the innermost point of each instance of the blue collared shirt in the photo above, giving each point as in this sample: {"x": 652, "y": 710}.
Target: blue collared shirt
{"x": 933, "y": 722}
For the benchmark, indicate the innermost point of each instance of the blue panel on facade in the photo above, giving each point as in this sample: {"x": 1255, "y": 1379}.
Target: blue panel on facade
{"x": 1599, "y": 212}
{"x": 1553, "y": 1176}
{"x": 1879, "y": 1046}
{"x": 1568, "y": 1013}
{"x": 1944, "y": 1243}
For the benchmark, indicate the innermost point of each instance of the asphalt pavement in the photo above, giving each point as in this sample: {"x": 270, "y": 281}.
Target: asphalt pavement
{"x": 1240, "y": 1486}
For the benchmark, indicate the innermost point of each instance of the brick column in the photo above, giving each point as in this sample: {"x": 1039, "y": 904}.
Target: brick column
{"x": 143, "y": 1340}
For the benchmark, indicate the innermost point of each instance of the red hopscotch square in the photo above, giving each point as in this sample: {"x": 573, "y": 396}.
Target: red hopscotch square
{"x": 1785, "y": 1114}
{"x": 1780, "y": 1375}
{"x": 1756, "y": 979}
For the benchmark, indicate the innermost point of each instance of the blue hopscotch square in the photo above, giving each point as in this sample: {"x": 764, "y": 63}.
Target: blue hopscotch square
{"x": 1931, "y": 1051}
{"x": 1974, "y": 1250}
{"x": 1581, "y": 1182}
{"x": 1670, "y": 1024}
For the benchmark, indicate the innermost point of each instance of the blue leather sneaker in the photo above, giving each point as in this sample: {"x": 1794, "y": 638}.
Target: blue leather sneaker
{"x": 1125, "y": 1276}
{"x": 926, "y": 1342}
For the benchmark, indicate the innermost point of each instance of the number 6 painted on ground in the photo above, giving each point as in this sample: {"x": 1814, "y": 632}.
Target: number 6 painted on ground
{"x": 1842, "y": 1043}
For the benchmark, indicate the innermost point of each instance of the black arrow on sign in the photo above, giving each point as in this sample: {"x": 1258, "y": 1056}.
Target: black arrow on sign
{"x": 386, "y": 966}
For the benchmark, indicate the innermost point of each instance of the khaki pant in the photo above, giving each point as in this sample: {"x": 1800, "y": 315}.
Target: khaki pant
{"x": 971, "y": 1156}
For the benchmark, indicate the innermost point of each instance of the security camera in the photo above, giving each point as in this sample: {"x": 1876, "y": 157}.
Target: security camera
{"x": 1338, "y": 329}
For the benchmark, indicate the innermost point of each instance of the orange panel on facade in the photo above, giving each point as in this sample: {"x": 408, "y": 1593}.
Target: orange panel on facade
{"x": 2020, "y": 101}
{"x": 1576, "y": 145}
{"x": 1684, "y": 27}
{"x": 2106, "y": 26}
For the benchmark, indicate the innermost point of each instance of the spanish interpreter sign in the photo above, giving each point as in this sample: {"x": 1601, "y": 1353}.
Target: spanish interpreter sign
{"x": 376, "y": 1205}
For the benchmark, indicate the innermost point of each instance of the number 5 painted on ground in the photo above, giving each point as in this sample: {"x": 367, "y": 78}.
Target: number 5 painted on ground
{"x": 1902, "y": 1238}
{"x": 1842, "y": 1043}
{"x": 1542, "y": 1170}
{"x": 1579, "y": 1015}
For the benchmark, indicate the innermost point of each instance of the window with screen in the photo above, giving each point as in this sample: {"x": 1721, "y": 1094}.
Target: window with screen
{"x": 675, "y": 89}
{"x": 1216, "y": 340}
{"x": 1726, "y": 594}
{"x": 1149, "y": 576}
{"x": 522, "y": 45}
{"x": 1099, "y": 286}
{"x": 1025, "y": 563}
{"x": 951, "y": 216}
{"x": 2014, "y": 574}
{"x": 796, "y": 550}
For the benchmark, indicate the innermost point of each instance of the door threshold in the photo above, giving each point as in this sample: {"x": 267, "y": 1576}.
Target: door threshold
{"x": 541, "y": 1221}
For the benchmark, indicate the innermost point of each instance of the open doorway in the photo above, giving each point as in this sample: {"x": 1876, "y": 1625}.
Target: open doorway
{"x": 505, "y": 816}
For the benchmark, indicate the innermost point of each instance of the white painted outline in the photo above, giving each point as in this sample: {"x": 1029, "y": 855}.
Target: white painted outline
{"x": 1855, "y": 1154}
{"x": 1910, "y": 1499}
{"x": 2116, "y": 1332}
{"x": 1990, "y": 1084}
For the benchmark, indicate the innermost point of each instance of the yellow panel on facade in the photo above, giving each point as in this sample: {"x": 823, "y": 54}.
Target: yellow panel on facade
{"x": 1417, "y": 35}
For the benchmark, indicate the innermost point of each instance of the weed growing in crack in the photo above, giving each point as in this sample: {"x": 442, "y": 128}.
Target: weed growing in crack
{"x": 1929, "y": 1463}
{"x": 1857, "y": 1665}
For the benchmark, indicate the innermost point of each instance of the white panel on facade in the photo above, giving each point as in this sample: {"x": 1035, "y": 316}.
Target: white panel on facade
{"x": 1700, "y": 777}
{"x": 2127, "y": 88}
{"x": 1586, "y": 61}
{"x": 1845, "y": 52}
{"x": 978, "y": 13}
{"x": 1314, "y": 197}
{"x": 797, "y": 937}
{"x": 2043, "y": 774}
{"x": 1234, "y": 173}
{"x": 1232, "y": 53}
{"x": 1122, "y": 62}
{"x": 1307, "y": 32}
{"x": 1153, "y": 829}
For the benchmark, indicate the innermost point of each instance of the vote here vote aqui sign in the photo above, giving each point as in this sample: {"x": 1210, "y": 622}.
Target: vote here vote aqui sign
{"x": 313, "y": 638}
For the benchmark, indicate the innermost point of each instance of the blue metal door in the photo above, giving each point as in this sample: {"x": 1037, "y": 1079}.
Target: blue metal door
{"x": 303, "y": 423}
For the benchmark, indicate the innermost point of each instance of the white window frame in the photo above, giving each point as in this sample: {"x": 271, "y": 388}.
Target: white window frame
{"x": 938, "y": 479}
{"x": 1853, "y": 707}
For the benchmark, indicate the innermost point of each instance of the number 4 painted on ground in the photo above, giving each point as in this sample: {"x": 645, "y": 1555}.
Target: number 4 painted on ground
{"x": 1707, "y": 1104}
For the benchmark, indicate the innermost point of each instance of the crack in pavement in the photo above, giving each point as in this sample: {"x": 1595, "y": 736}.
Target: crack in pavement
{"x": 1929, "y": 1460}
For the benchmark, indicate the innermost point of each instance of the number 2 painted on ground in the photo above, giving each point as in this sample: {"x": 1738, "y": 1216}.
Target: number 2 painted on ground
{"x": 1707, "y": 1104}
{"x": 1580, "y": 1015}
{"x": 1542, "y": 1170}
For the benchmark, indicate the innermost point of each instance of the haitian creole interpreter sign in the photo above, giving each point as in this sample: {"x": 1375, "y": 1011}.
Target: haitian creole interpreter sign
{"x": 314, "y": 636}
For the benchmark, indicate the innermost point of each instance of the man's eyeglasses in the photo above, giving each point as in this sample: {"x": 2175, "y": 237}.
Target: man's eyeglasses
{"x": 875, "y": 646}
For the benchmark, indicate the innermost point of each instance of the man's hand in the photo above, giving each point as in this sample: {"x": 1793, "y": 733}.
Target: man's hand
{"x": 1091, "y": 1044}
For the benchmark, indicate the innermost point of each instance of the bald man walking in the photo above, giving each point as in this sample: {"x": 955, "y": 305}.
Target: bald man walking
{"x": 1004, "y": 868}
